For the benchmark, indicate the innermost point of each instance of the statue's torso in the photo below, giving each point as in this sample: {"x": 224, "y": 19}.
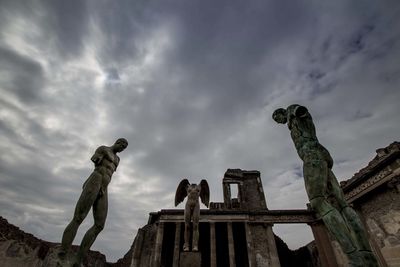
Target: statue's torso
{"x": 107, "y": 166}
{"x": 302, "y": 131}
{"x": 193, "y": 193}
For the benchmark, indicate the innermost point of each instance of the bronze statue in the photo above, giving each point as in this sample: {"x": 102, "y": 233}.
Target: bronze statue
{"x": 94, "y": 195}
{"x": 192, "y": 207}
{"x": 325, "y": 195}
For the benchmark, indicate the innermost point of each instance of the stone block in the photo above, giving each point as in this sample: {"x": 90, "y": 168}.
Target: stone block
{"x": 190, "y": 259}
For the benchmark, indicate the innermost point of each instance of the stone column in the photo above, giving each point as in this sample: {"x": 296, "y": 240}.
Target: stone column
{"x": 158, "y": 246}
{"x": 177, "y": 244}
{"x": 249, "y": 242}
{"x": 213, "y": 251}
{"x": 231, "y": 246}
{"x": 273, "y": 251}
{"x": 227, "y": 195}
{"x": 323, "y": 242}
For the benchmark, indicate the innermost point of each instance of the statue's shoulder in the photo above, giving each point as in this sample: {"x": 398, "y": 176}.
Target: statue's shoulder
{"x": 296, "y": 110}
{"x": 102, "y": 149}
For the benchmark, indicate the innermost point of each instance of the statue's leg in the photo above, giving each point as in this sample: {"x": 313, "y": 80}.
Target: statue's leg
{"x": 353, "y": 220}
{"x": 85, "y": 202}
{"x": 356, "y": 227}
{"x": 316, "y": 180}
{"x": 187, "y": 229}
{"x": 196, "y": 216}
{"x": 100, "y": 208}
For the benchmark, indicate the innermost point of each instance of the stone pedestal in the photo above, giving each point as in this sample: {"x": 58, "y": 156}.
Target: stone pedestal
{"x": 190, "y": 259}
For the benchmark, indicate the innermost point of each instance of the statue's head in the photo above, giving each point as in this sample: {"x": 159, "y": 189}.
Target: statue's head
{"x": 280, "y": 115}
{"x": 120, "y": 144}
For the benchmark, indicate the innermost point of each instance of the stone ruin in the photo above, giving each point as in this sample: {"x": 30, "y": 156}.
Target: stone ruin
{"x": 238, "y": 231}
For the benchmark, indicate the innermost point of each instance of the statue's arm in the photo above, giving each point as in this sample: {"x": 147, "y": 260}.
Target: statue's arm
{"x": 301, "y": 111}
{"x": 98, "y": 155}
{"x": 297, "y": 111}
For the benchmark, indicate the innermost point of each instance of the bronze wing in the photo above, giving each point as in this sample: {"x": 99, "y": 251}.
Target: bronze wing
{"x": 204, "y": 192}
{"x": 181, "y": 191}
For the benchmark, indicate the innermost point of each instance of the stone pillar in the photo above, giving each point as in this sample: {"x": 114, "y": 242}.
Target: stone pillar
{"x": 273, "y": 251}
{"x": 158, "y": 246}
{"x": 213, "y": 251}
{"x": 323, "y": 242}
{"x": 227, "y": 195}
{"x": 177, "y": 244}
{"x": 231, "y": 246}
{"x": 250, "y": 251}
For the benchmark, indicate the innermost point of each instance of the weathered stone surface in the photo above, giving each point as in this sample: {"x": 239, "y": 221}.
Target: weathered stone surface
{"x": 374, "y": 191}
{"x": 190, "y": 259}
{"x": 382, "y": 215}
{"x": 20, "y": 249}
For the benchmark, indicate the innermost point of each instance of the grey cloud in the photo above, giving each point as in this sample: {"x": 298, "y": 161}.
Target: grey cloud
{"x": 112, "y": 75}
{"x": 21, "y": 75}
{"x": 68, "y": 21}
{"x": 191, "y": 105}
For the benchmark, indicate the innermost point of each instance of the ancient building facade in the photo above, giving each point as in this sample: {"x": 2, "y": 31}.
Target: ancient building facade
{"x": 238, "y": 231}
{"x": 235, "y": 232}
{"x": 374, "y": 193}
{"x": 232, "y": 233}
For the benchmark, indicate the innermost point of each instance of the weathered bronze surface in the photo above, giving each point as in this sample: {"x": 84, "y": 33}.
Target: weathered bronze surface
{"x": 325, "y": 195}
{"x": 94, "y": 195}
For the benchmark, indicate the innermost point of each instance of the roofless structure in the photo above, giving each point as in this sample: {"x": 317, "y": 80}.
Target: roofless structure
{"x": 235, "y": 232}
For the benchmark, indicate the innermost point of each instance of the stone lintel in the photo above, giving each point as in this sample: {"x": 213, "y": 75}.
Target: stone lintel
{"x": 266, "y": 218}
{"x": 382, "y": 177}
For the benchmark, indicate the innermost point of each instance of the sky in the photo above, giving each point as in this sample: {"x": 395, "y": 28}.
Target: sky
{"x": 192, "y": 86}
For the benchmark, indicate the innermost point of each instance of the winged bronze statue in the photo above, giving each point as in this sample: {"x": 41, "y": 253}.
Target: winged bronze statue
{"x": 192, "y": 207}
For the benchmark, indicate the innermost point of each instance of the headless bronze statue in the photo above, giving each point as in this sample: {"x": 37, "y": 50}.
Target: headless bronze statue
{"x": 325, "y": 195}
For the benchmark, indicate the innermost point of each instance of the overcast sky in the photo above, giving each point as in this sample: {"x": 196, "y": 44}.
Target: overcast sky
{"x": 192, "y": 86}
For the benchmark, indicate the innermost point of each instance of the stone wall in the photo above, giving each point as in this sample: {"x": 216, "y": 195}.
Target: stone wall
{"x": 375, "y": 193}
{"x": 382, "y": 216}
{"x": 20, "y": 249}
